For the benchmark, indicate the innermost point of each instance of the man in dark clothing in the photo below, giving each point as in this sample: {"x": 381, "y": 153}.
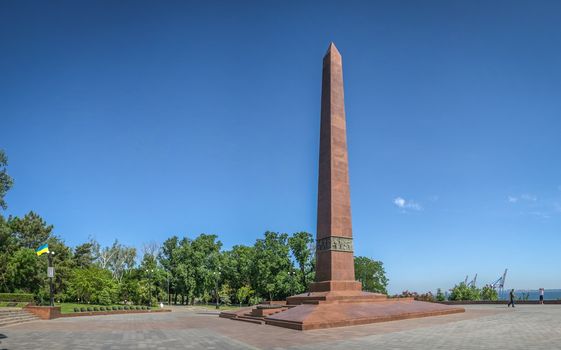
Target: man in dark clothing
{"x": 511, "y": 302}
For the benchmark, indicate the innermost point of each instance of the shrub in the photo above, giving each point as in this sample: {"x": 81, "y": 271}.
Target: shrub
{"x": 16, "y": 297}
{"x": 76, "y": 309}
{"x": 126, "y": 307}
{"x": 439, "y": 295}
{"x": 463, "y": 292}
{"x": 148, "y": 308}
{"x": 101, "y": 308}
{"x": 489, "y": 293}
{"x": 90, "y": 309}
{"x": 138, "y": 307}
{"x": 95, "y": 308}
{"x": 120, "y": 308}
{"x": 114, "y": 308}
{"x": 144, "y": 308}
{"x": 82, "y": 309}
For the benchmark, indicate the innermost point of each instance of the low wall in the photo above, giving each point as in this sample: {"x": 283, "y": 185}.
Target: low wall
{"x": 44, "y": 312}
{"x": 499, "y": 302}
{"x": 117, "y": 312}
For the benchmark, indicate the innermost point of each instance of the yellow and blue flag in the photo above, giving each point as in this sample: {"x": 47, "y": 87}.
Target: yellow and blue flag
{"x": 42, "y": 249}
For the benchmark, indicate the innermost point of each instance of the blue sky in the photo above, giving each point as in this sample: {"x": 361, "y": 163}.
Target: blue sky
{"x": 139, "y": 120}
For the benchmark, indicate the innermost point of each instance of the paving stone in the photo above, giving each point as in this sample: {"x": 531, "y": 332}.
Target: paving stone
{"x": 481, "y": 327}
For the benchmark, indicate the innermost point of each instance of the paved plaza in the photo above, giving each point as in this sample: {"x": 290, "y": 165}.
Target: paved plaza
{"x": 480, "y": 327}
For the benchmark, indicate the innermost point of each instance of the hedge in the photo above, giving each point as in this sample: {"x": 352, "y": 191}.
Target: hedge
{"x": 16, "y": 297}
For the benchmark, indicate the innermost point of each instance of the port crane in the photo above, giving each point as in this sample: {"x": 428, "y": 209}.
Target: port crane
{"x": 500, "y": 283}
{"x": 472, "y": 282}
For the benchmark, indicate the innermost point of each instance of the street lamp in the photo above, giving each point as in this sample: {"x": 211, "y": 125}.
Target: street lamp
{"x": 51, "y": 275}
{"x": 216, "y": 277}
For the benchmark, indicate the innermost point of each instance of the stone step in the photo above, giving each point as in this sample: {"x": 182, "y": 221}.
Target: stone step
{"x": 11, "y": 321}
{"x": 14, "y": 314}
{"x": 17, "y": 316}
{"x": 251, "y": 319}
{"x": 8, "y": 312}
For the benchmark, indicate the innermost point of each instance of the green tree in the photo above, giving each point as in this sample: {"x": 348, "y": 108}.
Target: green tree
{"x": 169, "y": 260}
{"x": 243, "y": 294}
{"x": 31, "y": 231}
{"x": 236, "y": 267}
{"x": 93, "y": 285}
{"x": 371, "y": 274}
{"x": 6, "y": 182}
{"x": 187, "y": 284}
{"x": 84, "y": 255}
{"x": 206, "y": 261}
{"x": 63, "y": 264}
{"x": 152, "y": 279}
{"x": 272, "y": 266}
{"x": 130, "y": 289}
{"x": 300, "y": 245}
{"x": 24, "y": 271}
{"x": 8, "y": 247}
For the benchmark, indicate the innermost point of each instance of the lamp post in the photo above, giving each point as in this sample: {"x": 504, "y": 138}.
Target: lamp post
{"x": 216, "y": 277}
{"x": 51, "y": 275}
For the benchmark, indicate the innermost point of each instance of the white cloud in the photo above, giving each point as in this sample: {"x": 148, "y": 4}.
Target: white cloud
{"x": 529, "y": 197}
{"x": 400, "y": 202}
{"x": 523, "y": 197}
{"x": 407, "y": 204}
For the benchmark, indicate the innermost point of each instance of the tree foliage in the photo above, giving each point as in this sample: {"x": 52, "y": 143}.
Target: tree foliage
{"x": 93, "y": 285}
{"x": 489, "y": 293}
{"x": 30, "y": 231}
{"x": 464, "y": 292}
{"x": 371, "y": 274}
{"x": 6, "y": 181}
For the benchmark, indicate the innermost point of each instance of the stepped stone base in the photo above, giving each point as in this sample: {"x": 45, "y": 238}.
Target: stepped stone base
{"x": 344, "y": 312}
{"x": 317, "y": 310}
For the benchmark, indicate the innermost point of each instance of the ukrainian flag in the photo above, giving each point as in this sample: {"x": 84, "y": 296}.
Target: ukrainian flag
{"x": 42, "y": 249}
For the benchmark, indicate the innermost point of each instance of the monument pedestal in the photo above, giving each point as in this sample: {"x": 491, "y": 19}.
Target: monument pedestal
{"x": 344, "y": 311}
{"x": 316, "y": 310}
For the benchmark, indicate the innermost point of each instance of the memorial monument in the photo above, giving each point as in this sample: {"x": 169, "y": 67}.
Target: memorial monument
{"x": 335, "y": 298}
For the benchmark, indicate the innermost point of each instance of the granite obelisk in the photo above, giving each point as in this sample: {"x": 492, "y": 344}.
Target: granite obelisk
{"x": 335, "y": 299}
{"x": 334, "y": 248}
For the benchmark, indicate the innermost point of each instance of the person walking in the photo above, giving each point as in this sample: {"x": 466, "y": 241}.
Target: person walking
{"x": 511, "y": 302}
{"x": 541, "y": 295}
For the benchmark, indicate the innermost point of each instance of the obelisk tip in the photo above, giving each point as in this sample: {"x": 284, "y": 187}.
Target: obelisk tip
{"x": 332, "y": 49}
